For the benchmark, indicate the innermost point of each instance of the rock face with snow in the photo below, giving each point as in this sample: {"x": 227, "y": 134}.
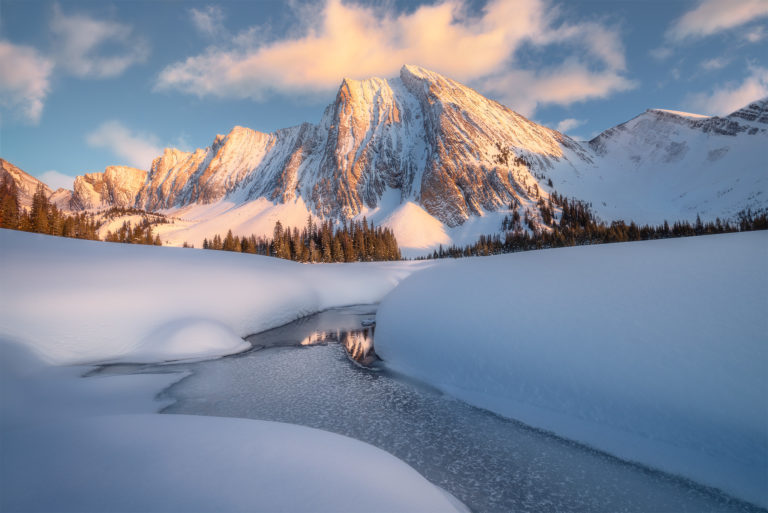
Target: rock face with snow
{"x": 425, "y": 140}
{"x": 26, "y": 185}
{"x": 674, "y": 165}
{"x": 117, "y": 186}
{"x": 439, "y": 143}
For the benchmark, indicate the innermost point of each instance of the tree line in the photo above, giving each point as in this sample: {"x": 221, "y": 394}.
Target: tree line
{"x": 354, "y": 241}
{"x": 578, "y": 226}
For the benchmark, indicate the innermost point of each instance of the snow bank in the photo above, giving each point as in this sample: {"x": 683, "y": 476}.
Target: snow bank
{"x": 76, "y": 301}
{"x": 71, "y": 444}
{"x": 656, "y": 351}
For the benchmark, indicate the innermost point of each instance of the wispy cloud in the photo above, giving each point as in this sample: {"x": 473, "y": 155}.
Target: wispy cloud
{"x": 208, "y": 21}
{"x": 732, "y": 96}
{"x": 570, "y": 83}
{"x": 56, "y": 180}
{"x": 755, "y": 35}
{"x": 138, "y": 149}
{"x": 715, "y": 63}
{"x": 339, "y": 40}
{"x": 24, "y": 80}
{"x": 712, "y": 16}
{"x": 80, "y": 42}
{"x": 569, "y": 124}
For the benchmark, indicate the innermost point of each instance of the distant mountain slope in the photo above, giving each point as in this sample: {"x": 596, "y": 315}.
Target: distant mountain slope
{"x": 670, "y": 165}
{"x": 27, "y": 186}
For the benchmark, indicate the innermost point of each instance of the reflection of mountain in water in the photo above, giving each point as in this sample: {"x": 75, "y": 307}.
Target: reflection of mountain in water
{"x": 358, "y": 343}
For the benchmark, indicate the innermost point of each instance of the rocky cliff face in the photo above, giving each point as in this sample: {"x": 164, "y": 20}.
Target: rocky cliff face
{"x": 443, "y": 146}
{"x": 117, "y": 186}
{"x": 437, "y": 142}
{"x": 27, "y": 184}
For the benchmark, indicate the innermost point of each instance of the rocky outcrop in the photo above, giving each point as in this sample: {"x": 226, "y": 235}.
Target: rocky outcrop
{"x": 117, "y": 186}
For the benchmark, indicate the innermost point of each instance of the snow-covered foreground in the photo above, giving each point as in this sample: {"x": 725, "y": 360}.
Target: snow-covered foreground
{"x": 73, "y": 444}
{"x": 656, "y": 351}
{"x": 76, "y": 301}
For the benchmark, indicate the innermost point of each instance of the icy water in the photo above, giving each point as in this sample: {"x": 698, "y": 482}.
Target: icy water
{"x": 488, "y": 462}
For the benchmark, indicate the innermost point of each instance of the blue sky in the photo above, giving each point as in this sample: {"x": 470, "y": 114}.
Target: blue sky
{"x": 87, "y": 84}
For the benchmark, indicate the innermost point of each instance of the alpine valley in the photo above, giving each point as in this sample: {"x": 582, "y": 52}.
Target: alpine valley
{"x": 439, "y": 164}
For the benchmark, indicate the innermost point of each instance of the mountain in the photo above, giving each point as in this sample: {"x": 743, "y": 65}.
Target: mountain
{"x": 441, "y": 164}
{"x": 674, "y": 165}
{"x": 27, "y": 184}
{"x": 434, "y": 141}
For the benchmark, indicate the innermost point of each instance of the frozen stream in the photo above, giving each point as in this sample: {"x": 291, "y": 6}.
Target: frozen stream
{"x": 490, "y": 463}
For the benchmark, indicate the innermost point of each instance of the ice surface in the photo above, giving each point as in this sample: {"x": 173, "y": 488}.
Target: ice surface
{"x": 76, "y": 301}
{"x": 653, "y": 351}
{"x": 490, "y": 463}
{"x": 73, "y": 444}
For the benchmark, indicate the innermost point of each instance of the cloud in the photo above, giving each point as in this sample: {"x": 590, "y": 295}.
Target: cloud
{"x": 55, "y": 180}
{"x": 79, "y": 41}
{"x": 333, "y": 40}
{"x": 714, "y": 64}
{"x": 139, "y": 150}
{"x": 209, "y": 21}
{"x": 661, "y": 53}
{"x": 569, "y": 124}
{"x": 755, "y": 35}
{"x": 733, "y": 96}
{"x": 570, "y": 83}
{"x": 713, "y": 16}
{"x": 24, "y": 80}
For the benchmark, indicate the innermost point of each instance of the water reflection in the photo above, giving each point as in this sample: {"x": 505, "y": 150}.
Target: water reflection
{"x": 352, "y": 327}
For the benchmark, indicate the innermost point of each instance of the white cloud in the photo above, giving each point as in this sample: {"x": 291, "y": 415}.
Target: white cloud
{"x": 569, "y": 124}
{"x": 24, "y": 80}
{"x": 55, "y": 180}
{"x": 209, "y": 21}
{"x": 138, "y": 149}
{"x": 79, "y": 42}
{"x": 572, "y": 82}
{"x": 661, "y": 53}
{"x": 339, "y": 40}
{"x": 714, "y": 64}
{"x": 713, "y": 16}
{"x": 755, "y": 35}
{"x": 733, "y": 96}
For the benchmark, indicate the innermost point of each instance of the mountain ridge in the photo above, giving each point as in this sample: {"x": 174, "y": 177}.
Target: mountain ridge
{"x": 422, "y": 146}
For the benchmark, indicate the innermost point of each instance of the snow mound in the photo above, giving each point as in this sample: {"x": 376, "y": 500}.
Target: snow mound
{"x": 415, "y": 228}
{"x": 75, "y": 301}
{"x": 654, "y": 351}
{"x": 177, "y": 339}
{"x": 73, "y": 444}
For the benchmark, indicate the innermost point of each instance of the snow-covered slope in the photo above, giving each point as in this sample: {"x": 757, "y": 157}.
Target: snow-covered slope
{"x": 120, "y": 302}
{"x": 665, "y": 165}
{"x": 652, "y": 351}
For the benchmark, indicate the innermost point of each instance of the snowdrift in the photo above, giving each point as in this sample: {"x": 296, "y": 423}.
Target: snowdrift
{"x": 652, "y": 351}
{"x": 72, "y": 444}
{"x": 75, "y": 301}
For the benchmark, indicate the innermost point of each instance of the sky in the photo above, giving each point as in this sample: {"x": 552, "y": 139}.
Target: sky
{"x": 88, "y": 84}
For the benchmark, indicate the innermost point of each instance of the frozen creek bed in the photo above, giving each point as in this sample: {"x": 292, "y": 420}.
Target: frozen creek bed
{"x": 300, "y": 374}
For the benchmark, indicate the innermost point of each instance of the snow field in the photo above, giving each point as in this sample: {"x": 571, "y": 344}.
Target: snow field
{"x": 73, "y": 444}
{"x": 77, "y": 301}
{"x": 94, "y": 444}
{"x": 654, "y": 351}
